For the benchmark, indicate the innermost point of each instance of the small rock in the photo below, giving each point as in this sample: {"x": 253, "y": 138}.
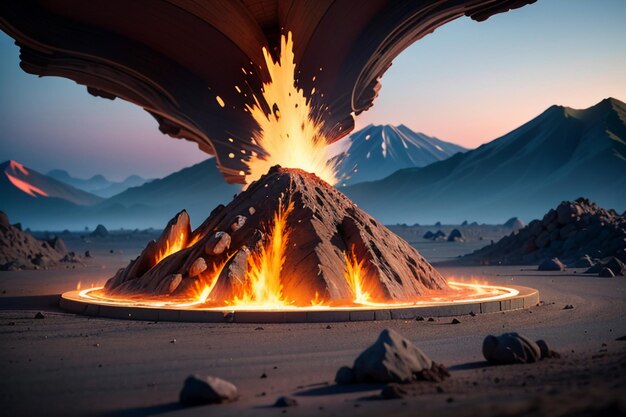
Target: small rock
{"x": 173, "y": 341}
{"x": 568, "y": 307}
{"x": 345, "y": 376}
{"x": 472, "y": 314}
{"x": 263, "y": 375}
{"x": 328, "y": 327}
{"x": 606, "y": 273}
{"x": 259, "y": 328}
{"x": 238, "y": 223}
{"x": 285, "y": 401}
{"x": 392, "y": 391}
{"x": 455, "y": 321}
{"x": 217, "y": 243}
{"x": 39, "y": 315}
{"x": 510, "y": 348}
{"x": 251, "y": 210}
{"x": 431, "y": 319}
{"x": 87, "y": 254}
{"x": 553, "y": 264}
{"x": 199, "y": 390}
{"x": 419, "y": 318}
{"x": 197, "y": 267}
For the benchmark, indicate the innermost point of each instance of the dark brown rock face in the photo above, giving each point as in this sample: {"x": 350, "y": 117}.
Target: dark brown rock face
{"x": 322, "y": 227}
{"x": 570, "y": 232}
{"x": 173, "y": 57}
{"x": 20, "y": 250}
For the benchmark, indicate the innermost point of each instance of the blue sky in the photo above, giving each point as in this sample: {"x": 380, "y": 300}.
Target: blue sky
{"x": 467, "y": 83}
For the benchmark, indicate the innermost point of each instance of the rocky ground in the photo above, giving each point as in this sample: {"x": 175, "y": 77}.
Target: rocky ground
{"x": 71, "y": 365}
{"x": 574, "y": 230}
{"x": 21, "y": 250}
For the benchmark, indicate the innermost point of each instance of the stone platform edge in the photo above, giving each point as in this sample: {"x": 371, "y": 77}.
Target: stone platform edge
{"x": 69, "y": 302}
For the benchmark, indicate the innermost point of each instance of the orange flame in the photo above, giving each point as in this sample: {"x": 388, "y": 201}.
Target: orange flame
{"x": 177, "y": 245}
{"x": 263, "y": 286}
{"x": 207, "y": 280}
{"x": 355, "y": 276}
{"x": 290, "y": 136}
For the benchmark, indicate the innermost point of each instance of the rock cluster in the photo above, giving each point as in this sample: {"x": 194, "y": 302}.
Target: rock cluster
{"x": 438, "y": 235}
{"x": 392, "y": 358}
{"x": 510, "y": 348}
{"x": 574, "y": 231}
{"x": 20, "y": 250}
{"x": 324, "y": 225}
{"x": 608, "y": 268}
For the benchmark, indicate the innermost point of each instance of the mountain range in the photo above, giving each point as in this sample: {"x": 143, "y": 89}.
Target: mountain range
{"x": 98, "y": 184}
{"x": 378, "y": 151}
{"x": 562, "y": 154}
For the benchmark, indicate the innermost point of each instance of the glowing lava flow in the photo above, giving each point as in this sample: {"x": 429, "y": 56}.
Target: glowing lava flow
{"x": 355, "y": 277}
{"x": 262, "y": 287}
{"x": 290, "y": 135}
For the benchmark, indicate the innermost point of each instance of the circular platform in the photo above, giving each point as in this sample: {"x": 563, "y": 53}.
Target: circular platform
{"x": 75, "y": 302}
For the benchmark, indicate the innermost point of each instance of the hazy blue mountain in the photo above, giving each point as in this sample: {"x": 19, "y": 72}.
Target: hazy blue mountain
{"x": 38, "y": 200}
{"x": 98, "y": 184}
{"x": 198, "y": 189}
{"x": 560, "y": 155}
{"x": 378, "y": 151}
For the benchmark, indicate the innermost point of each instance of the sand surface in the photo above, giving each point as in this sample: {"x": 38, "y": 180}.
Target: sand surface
{"x": 71, "y": 365}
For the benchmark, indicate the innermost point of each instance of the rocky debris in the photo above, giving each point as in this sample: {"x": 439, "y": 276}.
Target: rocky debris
{"x": 582, "y": 262}
{"x": 21, "y": 250}
{"x": 571, "y": 231}
{"x": 514, "y": 223}
{"x": 392, "y": 358}
{"x": 199, "y": 390}
{"x": 608, "y": 268}
{"x": 510, "y": 348}
{"x": 568, "y": 307}
{"x": 456, "y": 236}
{"x": 285, "y": 401}
{"x": 392, "y": 392}
{"x": 100, "y": 231}
{"x": 553, "y": 264}
{"x": 323, "y": 226}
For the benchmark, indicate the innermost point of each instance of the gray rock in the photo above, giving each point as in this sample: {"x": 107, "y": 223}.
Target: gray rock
{"x": 553, "y": 264}
{"x": 217, "y": 244}
{"x": 510, "y": 348}
{"x": 285, "y": 401}
{"x": 392, "y": 358}
{"x": 345, "y": 376}
{"x": 456, "y": 236}
{"x": 199, "y": 390}
{"x": 606, "y": 273}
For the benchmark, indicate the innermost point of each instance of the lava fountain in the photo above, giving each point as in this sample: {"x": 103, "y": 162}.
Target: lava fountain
{"x": 290, "y": 240}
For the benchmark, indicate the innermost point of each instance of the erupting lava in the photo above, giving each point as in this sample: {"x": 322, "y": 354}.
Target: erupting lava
{"x": 290, "y": 135}
{"x": 289, "y": 240}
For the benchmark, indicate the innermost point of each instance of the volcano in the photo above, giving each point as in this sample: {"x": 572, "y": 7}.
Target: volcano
{"x": 288, "y": 239}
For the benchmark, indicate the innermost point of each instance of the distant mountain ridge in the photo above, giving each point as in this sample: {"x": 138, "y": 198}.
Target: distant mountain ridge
{"x": 562, "y": 154}
{"x": 377, "y": 151}
{"x": 98, "y": 184}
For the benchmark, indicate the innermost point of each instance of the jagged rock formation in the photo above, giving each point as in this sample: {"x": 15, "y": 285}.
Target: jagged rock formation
{"x": 324, "y": 225}
{"x": 570, "y": 232}
{"x": 20, "y": 250}
{"x": 175, "y": 60}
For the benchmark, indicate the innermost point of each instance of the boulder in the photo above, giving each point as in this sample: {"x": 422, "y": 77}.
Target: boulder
{"x": 456, "y": 236}
{"x": 197, "y": 267}
{"x": 553, "y": 264}
{"x": 100, "y": 231}
{"x": 439, "y": 235}
{"x": 199, "y": 390}
{"x": 392, "y": 358}
{"x": 606, "y": 273}
{"x": 217, "y": 243}
{"x": 510, "y": 348}
{"x": 428, "y": 235}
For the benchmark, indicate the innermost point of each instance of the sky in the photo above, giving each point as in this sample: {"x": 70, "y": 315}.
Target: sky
{"x": 466, "y": 83}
